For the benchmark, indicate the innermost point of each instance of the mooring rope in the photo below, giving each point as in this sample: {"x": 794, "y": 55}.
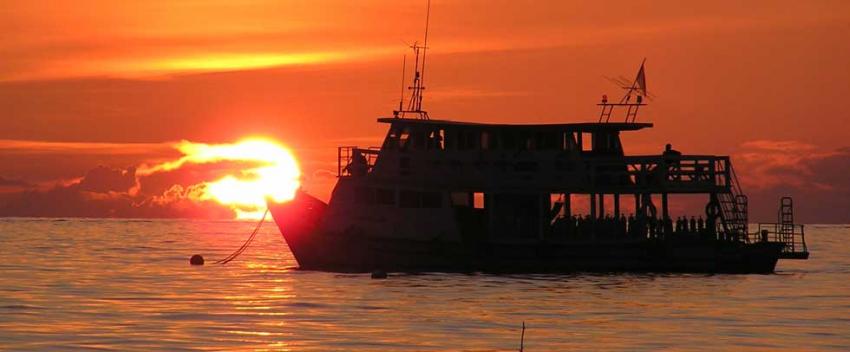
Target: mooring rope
{"x": 247, "y": 242}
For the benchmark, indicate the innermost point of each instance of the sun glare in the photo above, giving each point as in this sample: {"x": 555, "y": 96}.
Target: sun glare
{"x": 276, "y": 177}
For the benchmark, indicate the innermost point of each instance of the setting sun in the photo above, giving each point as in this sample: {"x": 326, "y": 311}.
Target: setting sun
{"x": 276, "y": 177}
{"x": 247, "y": 193}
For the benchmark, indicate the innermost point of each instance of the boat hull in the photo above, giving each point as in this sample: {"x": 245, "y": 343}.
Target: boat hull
{"x": 299, "y": 222}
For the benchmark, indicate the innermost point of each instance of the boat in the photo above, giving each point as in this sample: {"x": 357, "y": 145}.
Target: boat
{"x": 454, "y": 196}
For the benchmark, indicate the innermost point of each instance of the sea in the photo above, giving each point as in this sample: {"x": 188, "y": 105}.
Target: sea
{"x": 126, "y": 285}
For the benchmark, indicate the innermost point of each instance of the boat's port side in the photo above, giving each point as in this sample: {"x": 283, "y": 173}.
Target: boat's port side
{"x": 461, "y": 196}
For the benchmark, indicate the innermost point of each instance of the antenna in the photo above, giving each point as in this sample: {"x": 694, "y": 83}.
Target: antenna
{"x": 424, "y": 49}
{"x": 401, "y": 96}
{"x": 637, "y": 86}
{"x": 414, "y": 106}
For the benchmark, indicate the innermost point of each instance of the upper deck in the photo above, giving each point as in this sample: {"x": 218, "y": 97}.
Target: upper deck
{"x": 581, "y": 157}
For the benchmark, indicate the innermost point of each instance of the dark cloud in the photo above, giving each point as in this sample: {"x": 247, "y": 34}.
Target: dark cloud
{"x": 108, "y": 192}
{"x": 103, "y": 180}
{"x": 5, "y": 182}
{"x": 818, "y": 180}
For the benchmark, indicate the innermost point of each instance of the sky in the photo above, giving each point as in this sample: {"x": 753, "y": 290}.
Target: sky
{"x": 91, "y": 92}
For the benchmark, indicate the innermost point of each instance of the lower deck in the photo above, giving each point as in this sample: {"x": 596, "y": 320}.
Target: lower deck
{"x": 317, "y": 247}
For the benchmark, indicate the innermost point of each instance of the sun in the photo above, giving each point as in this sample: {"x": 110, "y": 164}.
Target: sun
{"x": 276, "y": 179}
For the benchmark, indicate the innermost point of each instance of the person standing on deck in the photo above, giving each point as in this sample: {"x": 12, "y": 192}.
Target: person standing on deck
{"x": 693, "y": 225}
{"x": 358, "y": 166}
{"x": 671, "y": 158}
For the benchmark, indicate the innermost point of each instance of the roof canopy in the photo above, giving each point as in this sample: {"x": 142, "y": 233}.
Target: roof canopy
{"x": 584, "y": 126}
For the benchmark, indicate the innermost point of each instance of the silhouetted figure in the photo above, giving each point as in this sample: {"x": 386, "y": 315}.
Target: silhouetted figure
{"x": 679, "y": 224}
{"x": 359, "y": 165}
{"x": 700, "y": 225}
{"x": 693, "y": 225}
{"x": 671, "y": 158}
{"x": 670, "y": 152}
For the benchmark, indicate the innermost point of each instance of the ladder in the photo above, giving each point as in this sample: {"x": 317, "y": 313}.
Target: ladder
{"x": 792, "y": 235}
{"x": 785, "y": 231}
{"x": 786, "y": 222}
{"x": 734, "y": 208}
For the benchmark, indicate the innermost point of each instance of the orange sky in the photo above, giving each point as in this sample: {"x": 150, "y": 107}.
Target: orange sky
{"x": 115, "y": 83}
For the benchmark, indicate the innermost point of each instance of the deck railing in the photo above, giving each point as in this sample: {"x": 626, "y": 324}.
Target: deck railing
{"x": 686, "y": 173}
{"x": 347, "y": 160}
{"x": 793, "y": 236}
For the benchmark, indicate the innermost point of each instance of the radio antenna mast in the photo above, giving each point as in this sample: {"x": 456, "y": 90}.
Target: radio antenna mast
{"x": 424, "y": 49}
{"x": 414, "y": 106}
{"x": 401, "y": 96}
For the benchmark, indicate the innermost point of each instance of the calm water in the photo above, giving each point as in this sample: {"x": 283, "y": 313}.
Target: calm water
{"x": 127, "y": 285}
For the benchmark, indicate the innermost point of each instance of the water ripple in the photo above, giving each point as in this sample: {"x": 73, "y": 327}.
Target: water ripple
{"x": 126, "y": 286}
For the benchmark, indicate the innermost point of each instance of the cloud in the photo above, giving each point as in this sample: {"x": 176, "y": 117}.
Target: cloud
{"x": 109, "y": 192}
{"x": 5, "y": 182}
{"x": 818, "y": 179}
{"x": 236, "y": 179}
{"x": 155, "y": 37}
{"x": 105, "y": 180}
{"x": 30, "y": 147}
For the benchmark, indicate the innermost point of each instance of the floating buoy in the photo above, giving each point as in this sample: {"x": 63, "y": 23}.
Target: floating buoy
{"x": 196, "y": 259}
{"x": 379, "y": 274}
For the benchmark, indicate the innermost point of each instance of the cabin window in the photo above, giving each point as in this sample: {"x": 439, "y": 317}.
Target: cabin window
{"x": 408, "y": 199}
{"x": 391, "y": 142}
{"x": 569, "y": 141}
{"x": 586, "y": 139}
{"x": 606, "y": 142}
{"x": 485, "y": 140}
{"x": 461, "y": 199}
{"x": 451, "y": 139}
{"x": 431, "y": 199}
{"x": 419, "y": 139}
{"x": 436, "y": 140}
{"x": 521, "y": 140}
{"x": 508, "y": 140}
{"x": 547, "y": 141}
{"x": 385, "y": 196}
{"x": 404, "y": 138}
{"x": 600, "y": 142}
{"x": 414, "y": 199}
{"x": 530, "y": 143}
{"x": 468, "y": 140}
{"x": 478, "y": 200}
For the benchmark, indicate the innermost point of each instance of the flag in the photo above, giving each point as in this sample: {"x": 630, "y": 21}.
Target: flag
{"x": 640, "y": 80}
